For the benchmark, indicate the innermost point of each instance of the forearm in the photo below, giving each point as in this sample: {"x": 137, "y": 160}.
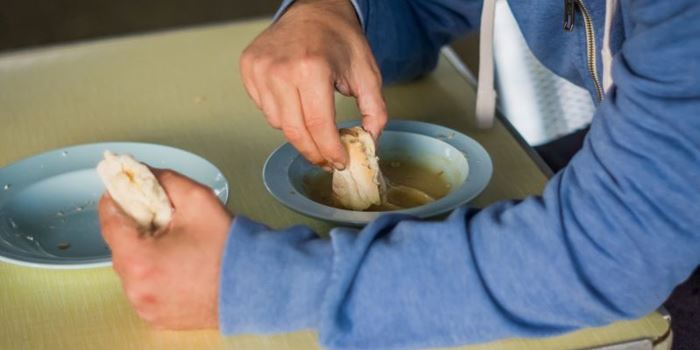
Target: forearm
{"x": 272, "y": 281}
{"x": 512, "y": 270}
{"x": 611, "y": 236}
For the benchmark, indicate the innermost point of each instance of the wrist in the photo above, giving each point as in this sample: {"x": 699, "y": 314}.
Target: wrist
{"x": 330, "y": 11}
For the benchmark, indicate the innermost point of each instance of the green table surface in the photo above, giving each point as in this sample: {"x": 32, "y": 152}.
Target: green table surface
{"x": 182, "y": 88}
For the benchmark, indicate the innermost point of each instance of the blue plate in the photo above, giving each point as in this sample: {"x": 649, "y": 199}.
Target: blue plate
{"x": 465, "y": 163}
{"x": 48, "y": 203}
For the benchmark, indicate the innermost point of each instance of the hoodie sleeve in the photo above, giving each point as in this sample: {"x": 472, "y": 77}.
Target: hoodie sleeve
{"x": 611, "y": 236}
{"x": 406, "y": 35}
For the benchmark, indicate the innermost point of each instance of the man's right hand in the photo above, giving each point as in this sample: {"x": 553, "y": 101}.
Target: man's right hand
{"x": 292, "y": 69}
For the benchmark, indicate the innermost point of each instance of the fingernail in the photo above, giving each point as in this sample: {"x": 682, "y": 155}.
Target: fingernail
{"x": 327, "y": 168}
{"x": 339, "y": 166}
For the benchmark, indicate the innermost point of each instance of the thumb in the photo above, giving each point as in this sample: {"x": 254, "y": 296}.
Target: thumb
{"x": 179, "y": 188}
{"x": 119, "y": 230}
{"x": 368, "y": 91}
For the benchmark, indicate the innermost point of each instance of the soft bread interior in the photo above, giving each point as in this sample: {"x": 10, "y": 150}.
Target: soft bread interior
{"x": 137, "y": 191}
{"x": 361, "y": 184}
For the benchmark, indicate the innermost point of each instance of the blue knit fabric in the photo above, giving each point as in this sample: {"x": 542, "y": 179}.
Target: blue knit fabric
{"x": 610, "y": 237}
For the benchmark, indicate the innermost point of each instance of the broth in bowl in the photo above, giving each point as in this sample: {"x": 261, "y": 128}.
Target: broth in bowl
{"x": 409, "y": 185}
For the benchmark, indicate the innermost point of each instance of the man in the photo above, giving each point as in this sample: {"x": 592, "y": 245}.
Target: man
{"x": 611, "y": 236}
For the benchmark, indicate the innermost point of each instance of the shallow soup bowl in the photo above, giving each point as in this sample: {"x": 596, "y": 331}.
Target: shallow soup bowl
{"x": 459, "y": 160}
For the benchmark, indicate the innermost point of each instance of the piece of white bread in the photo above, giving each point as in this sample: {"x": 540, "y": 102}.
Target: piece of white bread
{"x": 361, "y": 184}
{"x": 137, "y": 191}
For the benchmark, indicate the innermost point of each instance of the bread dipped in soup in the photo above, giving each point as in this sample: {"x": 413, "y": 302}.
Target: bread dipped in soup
{"x": 361, "y": 184}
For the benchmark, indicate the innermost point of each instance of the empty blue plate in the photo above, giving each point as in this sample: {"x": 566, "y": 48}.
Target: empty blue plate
{"x": 464, "y": 163}
{"x": 48, "y": 203}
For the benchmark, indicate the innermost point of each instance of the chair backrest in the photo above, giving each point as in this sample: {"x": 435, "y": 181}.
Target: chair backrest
{"x": 541, "y": 105}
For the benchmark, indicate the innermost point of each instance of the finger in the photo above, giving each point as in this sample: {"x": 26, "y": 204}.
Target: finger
{"x": 246, "y": 70}
{"x": 272, "y": 115}
{"x": 368, "y": 91}
{"x": 179, "y": 187}
{"x": 259, "y": 73}
{"x": 172, "y": 180}
{"x": 317, "y": 103}
{"x": 252, "y": 91}
{"x": 119, "y": 230}
{"x": 286, "y": 101}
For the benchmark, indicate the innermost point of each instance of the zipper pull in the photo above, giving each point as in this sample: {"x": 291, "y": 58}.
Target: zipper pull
{"x": 569, "y": 14}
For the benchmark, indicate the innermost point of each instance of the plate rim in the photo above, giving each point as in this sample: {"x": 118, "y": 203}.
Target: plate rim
{"x": 88, "y": 263}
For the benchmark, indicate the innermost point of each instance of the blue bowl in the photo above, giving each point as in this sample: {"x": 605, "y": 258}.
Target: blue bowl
{"x": 465, "y": 163}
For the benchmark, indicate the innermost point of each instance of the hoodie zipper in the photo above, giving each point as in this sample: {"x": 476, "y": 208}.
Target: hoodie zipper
{"x": 569, "y": 16}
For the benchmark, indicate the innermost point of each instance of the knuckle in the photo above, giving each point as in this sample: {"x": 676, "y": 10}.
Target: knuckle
{"x": 316, "y": 122}
{"x": 369, "y": 88}
{"x": 315, "y": 160}
{"x": 380, "y": 119}
{"x": 334, "y": 156}
{"x": 274, "y": 122}
{"x": 277, "y": 70}
{"x": 117, "y": 265}
{"x": 336, "y": 152}
{"x": 311, "y": 63}
{"x": 372, "y": 84}
{"x": 134, "y": 296}
{"x": 292, "y": 133}
{"x": 199, "y": 193}
{"x": 267, "y": 110}
{"x": 167, "y": 174}
{"x": 142, "y": 301}
{"x": 247, "y": 58}
{"x": 138, "y": 269}
{"x": 260, "y": 66}
{"x": 104, "y": 202}
{"x": 314, "y": 157}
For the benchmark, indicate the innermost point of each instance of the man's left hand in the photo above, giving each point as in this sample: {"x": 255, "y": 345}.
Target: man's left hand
{"x": 171, "y": 278}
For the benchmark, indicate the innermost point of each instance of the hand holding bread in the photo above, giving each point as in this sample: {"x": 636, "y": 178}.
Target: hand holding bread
{"x": 137, "y": 191}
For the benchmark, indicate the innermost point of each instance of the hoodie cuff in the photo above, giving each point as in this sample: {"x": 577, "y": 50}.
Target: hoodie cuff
{"x": 359, "y": 5}
{"x": 272, "y": 281}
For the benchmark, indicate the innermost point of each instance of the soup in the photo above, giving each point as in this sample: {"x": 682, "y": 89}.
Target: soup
{"x": 409, "y": 185}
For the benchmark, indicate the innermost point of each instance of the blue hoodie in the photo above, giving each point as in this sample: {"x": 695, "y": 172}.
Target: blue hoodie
{"x": 610, "y": 237}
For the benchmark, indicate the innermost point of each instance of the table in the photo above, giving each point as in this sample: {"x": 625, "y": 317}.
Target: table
{"x": 182, "y": 88}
